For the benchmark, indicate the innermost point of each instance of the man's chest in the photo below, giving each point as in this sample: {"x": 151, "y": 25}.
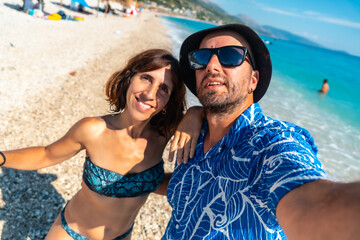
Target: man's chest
{"x": 210, "y": 189}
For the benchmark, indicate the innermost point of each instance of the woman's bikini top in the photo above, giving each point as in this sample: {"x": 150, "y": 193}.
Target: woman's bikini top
{"x": 112, "y": 184}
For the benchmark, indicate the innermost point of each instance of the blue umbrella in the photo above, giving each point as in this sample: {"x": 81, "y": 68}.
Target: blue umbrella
{"x": 82, "y": 2}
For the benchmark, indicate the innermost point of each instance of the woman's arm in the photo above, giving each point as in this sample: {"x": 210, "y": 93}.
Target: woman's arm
{"x": 184, "y": 141}
{"x": 34, "y": 158}
{"x": 163, "y": 187}
{"x": 186, "y": 135}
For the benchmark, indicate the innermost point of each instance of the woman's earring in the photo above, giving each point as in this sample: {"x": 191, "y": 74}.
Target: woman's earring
{"x": 163, "y": 111}
{"x": 250, "y": 91}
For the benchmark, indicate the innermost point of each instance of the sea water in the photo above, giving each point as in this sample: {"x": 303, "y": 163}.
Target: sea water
{"x": 298, "y": 73}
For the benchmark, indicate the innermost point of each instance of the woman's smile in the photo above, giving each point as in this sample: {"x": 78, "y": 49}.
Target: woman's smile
{"x": 142, "y": 105}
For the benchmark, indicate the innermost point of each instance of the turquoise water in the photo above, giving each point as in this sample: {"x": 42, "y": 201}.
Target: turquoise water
{"x": 303, "y": 68}
{"x": 298, "y": 72}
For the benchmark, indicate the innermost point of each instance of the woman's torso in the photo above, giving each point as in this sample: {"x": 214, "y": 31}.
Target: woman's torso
{"x": 93, "y": 213}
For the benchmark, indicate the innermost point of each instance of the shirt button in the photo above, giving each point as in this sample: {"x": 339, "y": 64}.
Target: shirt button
{"x": 177, "y": 226}
{"x": 187, "y": 197}
{"x": 198, "y": 167}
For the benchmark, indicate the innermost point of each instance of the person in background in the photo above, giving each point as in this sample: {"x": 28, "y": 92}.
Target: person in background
{"x": 108, "y": 9}
{"x": 325, "y": 87}
{"x": 252, "y": 177}
{"x": 27, "y": 4}
{"x": 124, "y": 150}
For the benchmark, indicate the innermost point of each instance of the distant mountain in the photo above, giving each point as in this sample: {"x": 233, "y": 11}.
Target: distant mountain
{"x": 214, "y": 6}
{"x": 285, "y": 35}
{"x": 201, "y": 9}
{"x": 206, "y": 10}
{"x": 251, "y": 23}
{"x": 275, "y": 32}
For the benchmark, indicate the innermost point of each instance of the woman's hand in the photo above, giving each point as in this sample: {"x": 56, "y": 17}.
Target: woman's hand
{"x": 186, "y": 135}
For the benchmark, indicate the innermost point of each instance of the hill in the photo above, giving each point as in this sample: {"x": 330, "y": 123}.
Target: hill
{"x": 203, "y": 10}
{"x": 285, "y": 35}
{"x": 206, "y": 10}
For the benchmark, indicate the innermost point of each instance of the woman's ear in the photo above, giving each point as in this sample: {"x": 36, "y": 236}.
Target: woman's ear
{"x": 163, "y": 111}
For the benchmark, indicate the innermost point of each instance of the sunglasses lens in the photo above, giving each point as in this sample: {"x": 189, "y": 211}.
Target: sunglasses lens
{"x": 231, "y": 56}
{"x": 199, "y": 59}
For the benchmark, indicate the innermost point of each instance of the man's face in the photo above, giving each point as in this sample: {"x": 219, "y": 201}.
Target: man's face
{"x": 222, "y": 89}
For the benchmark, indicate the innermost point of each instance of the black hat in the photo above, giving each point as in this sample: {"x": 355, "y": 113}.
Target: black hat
{"x": 260, "y": 54}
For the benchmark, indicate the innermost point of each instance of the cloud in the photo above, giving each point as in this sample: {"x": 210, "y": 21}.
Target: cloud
{"x": 314, "y": 16}
{"x": 341, "y": 22}
{"x": 312, "y": 13}
{"x": 279, "y": 11}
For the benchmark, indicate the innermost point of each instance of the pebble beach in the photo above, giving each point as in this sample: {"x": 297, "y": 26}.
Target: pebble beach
{"x": 52, "y": 73}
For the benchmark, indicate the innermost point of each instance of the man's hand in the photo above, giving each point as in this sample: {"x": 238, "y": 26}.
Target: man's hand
{"x": 186, "y": 136}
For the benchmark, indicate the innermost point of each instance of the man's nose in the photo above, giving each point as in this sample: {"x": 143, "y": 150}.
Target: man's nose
{"x": 214, "y": 64}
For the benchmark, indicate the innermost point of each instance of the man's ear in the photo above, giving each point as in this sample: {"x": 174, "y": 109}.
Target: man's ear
{"x": 254, "y": 79}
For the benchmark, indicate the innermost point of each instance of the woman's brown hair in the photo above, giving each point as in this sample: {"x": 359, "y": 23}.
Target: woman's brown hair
{"x": 150, "y": 60}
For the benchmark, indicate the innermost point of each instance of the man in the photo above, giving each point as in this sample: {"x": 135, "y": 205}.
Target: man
{"x": 252, "y": 177}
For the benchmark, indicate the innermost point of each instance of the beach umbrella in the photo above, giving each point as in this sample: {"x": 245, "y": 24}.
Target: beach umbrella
{"x": 82, "y": 2}
{"x": 97, "y": 9}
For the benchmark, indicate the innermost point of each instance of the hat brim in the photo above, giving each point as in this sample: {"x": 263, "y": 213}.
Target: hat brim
{"x": 260, "y": 54}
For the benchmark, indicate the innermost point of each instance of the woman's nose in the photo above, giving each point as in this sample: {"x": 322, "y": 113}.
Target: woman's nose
{"x": 150, "y": 92}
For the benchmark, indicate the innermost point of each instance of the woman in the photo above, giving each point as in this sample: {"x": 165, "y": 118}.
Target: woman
{"x": 123, "y": 150}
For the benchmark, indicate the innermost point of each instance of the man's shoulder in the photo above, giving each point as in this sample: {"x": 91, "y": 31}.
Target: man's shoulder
{"x": 272, "y": 127}
{"x": 268, "y": 131}
{"x": 258, "y": 125}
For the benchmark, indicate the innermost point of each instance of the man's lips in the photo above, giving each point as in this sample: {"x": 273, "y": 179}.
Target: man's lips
{"x": 213, "y": 83}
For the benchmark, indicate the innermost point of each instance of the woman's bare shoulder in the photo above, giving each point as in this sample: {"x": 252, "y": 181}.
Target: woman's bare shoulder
{"x": 90, "y": 127}
{"x": 89, "y": 122}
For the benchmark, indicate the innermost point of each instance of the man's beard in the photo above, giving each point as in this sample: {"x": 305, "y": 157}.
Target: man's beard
{"x": 227, "y": 103}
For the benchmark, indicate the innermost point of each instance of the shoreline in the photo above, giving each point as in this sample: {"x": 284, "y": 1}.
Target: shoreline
{"x": 43, "y": 104}
{"x": 186, "y": 18}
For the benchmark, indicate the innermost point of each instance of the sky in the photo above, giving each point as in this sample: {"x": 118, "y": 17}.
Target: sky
{"x": 332, "y": 24}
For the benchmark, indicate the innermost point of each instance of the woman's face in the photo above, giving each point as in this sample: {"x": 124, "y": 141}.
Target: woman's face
{"x": 148, "y": 93}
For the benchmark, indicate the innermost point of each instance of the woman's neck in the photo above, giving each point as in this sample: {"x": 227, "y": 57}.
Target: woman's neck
{"x": 135, "y": 129}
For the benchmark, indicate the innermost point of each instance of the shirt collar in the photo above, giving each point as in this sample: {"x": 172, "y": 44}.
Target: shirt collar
{"x": 237, "y": 131}
{"x": 242, "y": 124}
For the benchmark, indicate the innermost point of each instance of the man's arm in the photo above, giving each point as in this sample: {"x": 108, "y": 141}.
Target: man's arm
{"x": 187, "y": 135}
{"x": 321, "y": 209}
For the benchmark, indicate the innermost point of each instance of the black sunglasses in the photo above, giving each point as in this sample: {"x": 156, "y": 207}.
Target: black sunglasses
{"x": 229, "y": 56}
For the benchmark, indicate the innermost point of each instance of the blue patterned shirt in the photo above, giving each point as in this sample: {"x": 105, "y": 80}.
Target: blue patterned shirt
{"x": 231, "y": 191}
